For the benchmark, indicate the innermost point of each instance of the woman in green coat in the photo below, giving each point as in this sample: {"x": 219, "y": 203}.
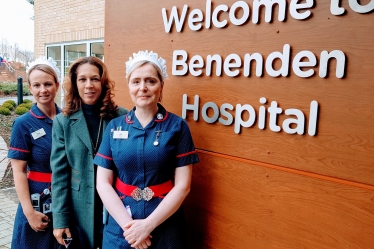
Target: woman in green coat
{"x": 76, "y": 136}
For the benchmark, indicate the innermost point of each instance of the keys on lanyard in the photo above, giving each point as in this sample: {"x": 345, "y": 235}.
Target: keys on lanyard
{"x": 155, "y": 143}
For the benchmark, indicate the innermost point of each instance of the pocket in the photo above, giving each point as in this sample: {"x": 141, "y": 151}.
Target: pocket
{"x": 75, "y": 183}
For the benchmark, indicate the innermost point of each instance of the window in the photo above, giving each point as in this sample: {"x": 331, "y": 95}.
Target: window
{"x": 65, "y": 53}
{"x": 97, "y": 50}
{"x": 55, "y": 53}
{"x": 73, "y": 52}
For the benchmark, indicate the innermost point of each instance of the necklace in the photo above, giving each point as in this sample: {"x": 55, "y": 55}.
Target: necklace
{"x": 95, "y": 147}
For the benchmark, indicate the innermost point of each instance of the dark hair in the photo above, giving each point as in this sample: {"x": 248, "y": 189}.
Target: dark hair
{"x": 72, "y": 99}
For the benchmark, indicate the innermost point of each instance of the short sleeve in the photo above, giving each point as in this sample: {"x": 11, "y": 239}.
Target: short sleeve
{"x": 186, "y": 153}
{"x": 104, "y": 157}
{"x": 20, "y": 142}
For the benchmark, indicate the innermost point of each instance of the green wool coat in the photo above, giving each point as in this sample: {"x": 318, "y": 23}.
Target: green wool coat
{"x": 73, "y": 176}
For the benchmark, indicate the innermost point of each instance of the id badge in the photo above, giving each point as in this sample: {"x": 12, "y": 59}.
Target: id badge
{"x": 120, "y": 134}
{"x": 37, "y": 134}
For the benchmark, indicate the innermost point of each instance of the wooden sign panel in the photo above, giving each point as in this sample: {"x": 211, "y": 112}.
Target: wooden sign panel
{"x": 278, "y": 96}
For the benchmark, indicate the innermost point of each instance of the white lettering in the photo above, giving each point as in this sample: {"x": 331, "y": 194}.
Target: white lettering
{"x": 216, "y": 22}
{"x": 208, "y": 11}
{"x": 182, "y": 62}
{"x": 204, "y": 111}
{"x": 226, "y": 114}
{"x": 181, "y": 68}
{"x": 355, "y": 6}
{"x": 269, "y": 10}
{"x": 238, "y": 117}
{"x": 290, "y": 125}
{"x": 313, "y": 118}
{"x": 209, "y": 61}
{"x": 193, "y": 107}
{"x": 294, "y": 6}
{"x": 244, "y": 6}
{"x": 262, "y": 114}
{"x": 247, "y": 64}
{"x": 274, "y": 110}
{"x": 285, "y": 62}
{"x": 192, "y": 19}
{"x": 228, "y": 65}
{"x": 297, "y": 64}
{"x": 174, "y": 17}
{"x": 196, "y": 62}
{"x": 299, "y": 121}
{"x": 340, "y": 63}
{"x": 335, "y": 9}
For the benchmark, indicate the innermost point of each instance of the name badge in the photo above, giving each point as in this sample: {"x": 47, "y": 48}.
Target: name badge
{"x": 37, "y": 134}
{"x": 120, "y": 134}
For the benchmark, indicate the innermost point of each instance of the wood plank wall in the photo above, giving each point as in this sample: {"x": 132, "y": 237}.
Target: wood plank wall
{"x": 262, "y": 189}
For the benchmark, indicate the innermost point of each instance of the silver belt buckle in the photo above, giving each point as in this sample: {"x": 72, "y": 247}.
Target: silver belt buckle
{"x": 138, "y": 194}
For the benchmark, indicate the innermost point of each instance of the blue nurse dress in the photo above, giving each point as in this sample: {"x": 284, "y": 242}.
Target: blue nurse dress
{"x": 139, "y": 161}
{"x": 36, "y": 152}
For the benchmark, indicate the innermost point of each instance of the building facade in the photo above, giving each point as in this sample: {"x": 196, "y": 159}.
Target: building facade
{"x": 67, "y": 30}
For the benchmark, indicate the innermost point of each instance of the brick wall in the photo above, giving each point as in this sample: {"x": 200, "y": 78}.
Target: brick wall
{"x": 65, "y": 21}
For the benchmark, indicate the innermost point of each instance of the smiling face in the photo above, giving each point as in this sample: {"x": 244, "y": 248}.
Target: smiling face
{"x": 89, "y": 83}
{"x": 43, "y": 87}
{"x": 145, "y": 86}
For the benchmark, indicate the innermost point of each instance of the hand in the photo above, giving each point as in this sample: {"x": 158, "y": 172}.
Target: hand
{"x": 137, "y": 234}
{"x": 58, "y": 232}
{"x": 37, "y": 220}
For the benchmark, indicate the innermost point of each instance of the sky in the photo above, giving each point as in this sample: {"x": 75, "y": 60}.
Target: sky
{"x": 15, "y": 23}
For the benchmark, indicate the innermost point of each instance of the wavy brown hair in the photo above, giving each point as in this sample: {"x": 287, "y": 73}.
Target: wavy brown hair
{"x": 73, "y": 101}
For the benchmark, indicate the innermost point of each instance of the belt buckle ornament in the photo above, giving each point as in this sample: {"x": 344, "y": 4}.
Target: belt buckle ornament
{"x": 147, "y": 194}
{"x": 138, "y": 194}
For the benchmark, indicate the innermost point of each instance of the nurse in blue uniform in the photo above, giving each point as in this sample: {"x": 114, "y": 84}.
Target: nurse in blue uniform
{"x": 145, "y": 161}
{"x": 29, "y": 151}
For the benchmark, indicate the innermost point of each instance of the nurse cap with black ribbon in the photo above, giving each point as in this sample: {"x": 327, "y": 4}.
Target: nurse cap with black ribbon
{"x": 42, "y": 60}
{"x": 147, "y": 56}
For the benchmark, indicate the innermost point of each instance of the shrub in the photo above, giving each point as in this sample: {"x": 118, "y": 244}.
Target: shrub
{"x": 9, "y": 106}
{"x": 25, "y": 90}
{"x": 29, "y": 105}
{"x": 4, "y": 111}
{"x": 11, "y": 102}
{"x": 21, "y": 110}
{"x": 25, "y": 101}
{"x": 11, "y": 88}
{"x": 24, "y": 105}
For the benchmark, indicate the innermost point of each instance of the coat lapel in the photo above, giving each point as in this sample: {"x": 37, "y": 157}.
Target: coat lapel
{"x": 79, "y": 127}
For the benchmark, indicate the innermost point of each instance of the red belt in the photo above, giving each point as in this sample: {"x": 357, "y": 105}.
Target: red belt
{"x": 39, "y": 176}
{"x": 146, "y": 193}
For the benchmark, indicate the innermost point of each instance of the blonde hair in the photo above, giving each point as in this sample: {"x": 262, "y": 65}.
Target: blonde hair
{"x": 45, "y": 68}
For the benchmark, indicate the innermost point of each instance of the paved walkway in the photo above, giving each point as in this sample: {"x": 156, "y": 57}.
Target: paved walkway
{"x": 8, "y": 202}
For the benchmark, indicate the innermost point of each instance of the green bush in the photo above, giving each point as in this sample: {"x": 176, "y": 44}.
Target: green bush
{"x": 11, "y": 88}
{"x": 25, "y": 101}
{"x": 11, "y": 102}
{"x": 26, "y": 105}
{"x": 4, "y": 111}
{"x": 26, "y": 90}
{"x": 9, "y": 106}
{"x": 21, "y": 110}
